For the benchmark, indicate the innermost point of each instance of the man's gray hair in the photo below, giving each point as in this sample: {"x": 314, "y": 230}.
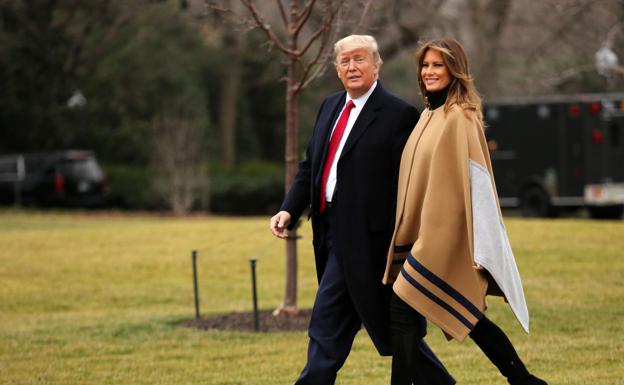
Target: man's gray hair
{"x": 352, "y": 42}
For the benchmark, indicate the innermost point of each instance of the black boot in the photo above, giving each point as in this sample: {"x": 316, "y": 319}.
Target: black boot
{"x": 413, "y": 362}
{"x": 497, "y": 347}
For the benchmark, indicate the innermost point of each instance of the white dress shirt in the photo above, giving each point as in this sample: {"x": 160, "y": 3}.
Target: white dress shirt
{"x": 355, "y": 112}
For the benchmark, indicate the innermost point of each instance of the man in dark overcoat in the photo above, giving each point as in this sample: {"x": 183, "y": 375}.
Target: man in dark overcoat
{"x": 348, "y": 180}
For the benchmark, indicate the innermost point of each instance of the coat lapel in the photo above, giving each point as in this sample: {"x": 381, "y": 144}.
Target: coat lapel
{"x": 365, "y": 119}
{"x": 325, "y": 124}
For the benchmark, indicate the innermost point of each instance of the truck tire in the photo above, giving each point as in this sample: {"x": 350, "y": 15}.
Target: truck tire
{"x": 606, "y": 212}
{"x": 535, "y": 203}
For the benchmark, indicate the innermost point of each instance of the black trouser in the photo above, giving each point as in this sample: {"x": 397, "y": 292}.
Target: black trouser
{"x": 413, "y": 362}
{"x": 334, "y": 321}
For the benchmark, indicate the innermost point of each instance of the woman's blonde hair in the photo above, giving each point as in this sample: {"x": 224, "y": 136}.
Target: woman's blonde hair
{"x": 462, "y": 90}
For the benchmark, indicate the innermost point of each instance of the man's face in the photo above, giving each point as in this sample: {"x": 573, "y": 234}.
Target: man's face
{"x": 357, "y": 71}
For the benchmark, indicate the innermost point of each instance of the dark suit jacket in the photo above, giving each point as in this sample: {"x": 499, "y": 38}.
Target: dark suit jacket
{"x": 365, "y": 199}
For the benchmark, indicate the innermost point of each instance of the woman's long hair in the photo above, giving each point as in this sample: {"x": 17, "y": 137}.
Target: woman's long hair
{"x": 462, "y": 90}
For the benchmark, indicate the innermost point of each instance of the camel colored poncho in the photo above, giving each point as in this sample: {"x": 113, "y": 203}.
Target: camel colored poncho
{"x": 448, "y": 219}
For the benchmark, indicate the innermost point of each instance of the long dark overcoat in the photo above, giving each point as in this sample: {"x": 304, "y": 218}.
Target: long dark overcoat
{"x": 364, "y": 199}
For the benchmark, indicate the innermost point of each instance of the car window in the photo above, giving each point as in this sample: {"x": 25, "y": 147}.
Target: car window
{"x": 82, "y": 168}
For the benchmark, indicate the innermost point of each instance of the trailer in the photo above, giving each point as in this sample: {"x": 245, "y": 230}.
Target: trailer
{"x": 555, "y": 152}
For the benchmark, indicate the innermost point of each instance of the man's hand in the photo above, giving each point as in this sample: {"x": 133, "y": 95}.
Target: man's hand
{"x": 279, "y": 222}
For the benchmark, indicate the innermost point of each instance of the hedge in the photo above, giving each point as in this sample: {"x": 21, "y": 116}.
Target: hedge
{"x": 248, "y": 189}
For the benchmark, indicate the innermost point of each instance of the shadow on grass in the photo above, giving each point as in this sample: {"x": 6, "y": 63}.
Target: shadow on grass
{"x": 245, "y": 322}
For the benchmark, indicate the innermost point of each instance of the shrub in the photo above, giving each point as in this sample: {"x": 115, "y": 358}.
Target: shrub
{"x": 255, "y": 188}
{"x": 131, "y": 187}
{"x": 247, "y": 189}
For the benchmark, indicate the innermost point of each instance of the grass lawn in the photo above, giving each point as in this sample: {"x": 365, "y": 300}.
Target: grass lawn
{"x": 94, "y": 299}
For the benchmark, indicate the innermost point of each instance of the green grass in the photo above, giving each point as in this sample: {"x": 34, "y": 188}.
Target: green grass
{"x": 94, "y": 299}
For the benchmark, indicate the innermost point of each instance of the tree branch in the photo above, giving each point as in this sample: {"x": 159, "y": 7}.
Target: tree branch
{"x": 319, "y": 65}
{"x": 322, "y": 29}
{"x": 303, "y": 17}
{"x": 282, "y": 12}
{"x": 498, "y": 10}
{"x": 306, "y": 78}
{"x": 218, "y": 8}
{"x": 267, "y": 28}
{"x": 567, "y": 75}
{"x": 612, "y": 32}
{"x": 365, "y": 10}
{"x": 570, "y": 21}
{"x": 320, "y": 61}
{"x": 328, "y": 19}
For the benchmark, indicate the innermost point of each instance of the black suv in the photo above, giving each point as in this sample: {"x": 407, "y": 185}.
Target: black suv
{"x": 62, "y": 178}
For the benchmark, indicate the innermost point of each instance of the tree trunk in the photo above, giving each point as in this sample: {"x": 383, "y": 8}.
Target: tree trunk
{"x": 229, "y": 98}
{"x": 487, "y": 22}
{"x": 295, "y": 16}
{"x": 289, "y": 307}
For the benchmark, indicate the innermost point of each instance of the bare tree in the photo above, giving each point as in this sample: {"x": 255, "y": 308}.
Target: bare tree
{"x": 528, "y": 47}
{"x": 525, "y": 47}
{"x": 303, "y": 35}
{"x": 177, "y": 158}
{"x": 487, "y": 20}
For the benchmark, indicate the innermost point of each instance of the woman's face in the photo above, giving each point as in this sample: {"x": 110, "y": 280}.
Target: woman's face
{"x": 434, "y": 72}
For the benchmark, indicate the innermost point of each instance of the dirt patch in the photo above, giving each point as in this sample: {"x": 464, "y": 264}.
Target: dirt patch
{"x": 245, "y": 322}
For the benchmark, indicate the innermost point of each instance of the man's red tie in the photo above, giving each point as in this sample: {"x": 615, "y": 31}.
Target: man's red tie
{"x": 333, "y": 147}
